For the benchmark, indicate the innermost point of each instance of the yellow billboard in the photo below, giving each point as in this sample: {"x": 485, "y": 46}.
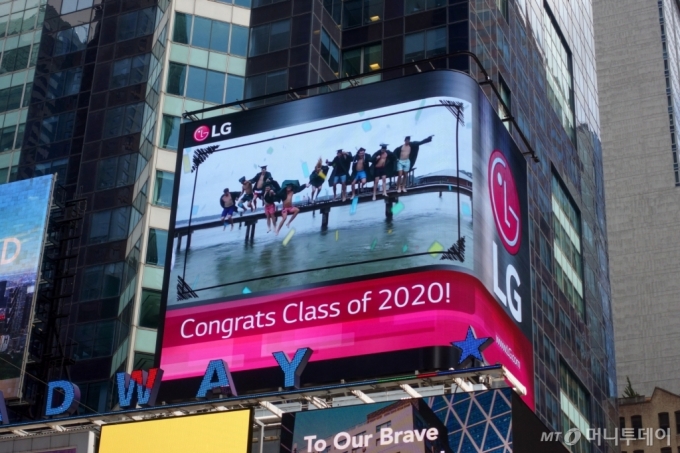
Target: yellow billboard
{"x": 221, "y": 432}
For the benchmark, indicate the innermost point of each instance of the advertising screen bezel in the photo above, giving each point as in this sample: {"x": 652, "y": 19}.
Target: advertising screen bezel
{"x": 406, "y": 89}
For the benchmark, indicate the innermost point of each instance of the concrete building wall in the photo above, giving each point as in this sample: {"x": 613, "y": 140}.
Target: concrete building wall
{"x": 642, "y": 199}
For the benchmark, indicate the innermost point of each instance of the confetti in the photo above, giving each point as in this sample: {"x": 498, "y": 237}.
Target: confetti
{"x": 337, "y": 234}
{"x": 366, "y": 126}
{"x": 375, "y": 242}
{"x": 246, "y": 290}
{"x": 270, "y": 150}
{"x": 288, "y": 237}
{"x": 404, "y": 249}
{"x": 389, "y": 231}
{"x": 397, "y": 208}
{"x": 435, "y": 249}
{"x": 353, "y": 208}
{"x": 422, "y": 104}
{"x": 305, "y": 170}
{"x": 194, "y": 211}
{"x": 450, "y": 188}
{"x": 467, "y": 209}
{"x": 186, "y": 163}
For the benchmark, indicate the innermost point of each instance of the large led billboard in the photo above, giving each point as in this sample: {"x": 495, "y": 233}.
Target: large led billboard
{"x": 483, "y": 422}
{"x": 24, "y": 211}
{"x": 221, "y": 432}
{"x": 374, "y": 226}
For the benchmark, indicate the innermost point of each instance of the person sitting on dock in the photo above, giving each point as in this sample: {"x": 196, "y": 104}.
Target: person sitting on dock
{"x": 359, "y": 170}
{"x": 288, "y": 207}
{"x": 317, "y": 178}
{"x": 228, "y": 208}
{"x": 382, "y": 161}
{"x": 269, "y": 199}
{"x": 406, "y": 155}
{"x": 258, "y": 181}
{"x": 246, "y": 194}
{"x": 340, "y": 165}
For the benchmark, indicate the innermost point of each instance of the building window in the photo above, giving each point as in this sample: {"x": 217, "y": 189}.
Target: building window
{"x": 94, "y": 339}
{"x": 123, "y": 120}
{"x": 507, "y": 98}
{"x": 503, "y": 8}
{"x": 356, "y": 13}
{"x": 549, "y": 356}
{"x": 109, "y": 225}
{"x": 64, "y": 83}
{"x": 16, "y": 59}
{"x": 170, "y": 132}
{"x": 203, "y": 84}
{"x": 269, "y": 38}
{"x": 258, "y": 3}
{"x": 182, "y": 30}
{"x": 269, "y": 83}
{"x": 417, "y": 6}
{"x": 636, "y": 423}
{"x": 162, "y": 192}
{"x": 361, "y": 60}
{"x": 666, "y": 450}
{"x": 149, "y": 313}
{"x": 244, "y": 3}
{"x": 71, "y": 40}
{"x": 136, "y": 24}
{"x": 425, "y": 44}
{"x": 129, "y": 71}
{"x": 559, "y": 71}
{"x": 677, "y": 423}
{"x": 330, "y": 53}
{"x": 155, "y": 251}
{"x": 116, "y": 171}
{"x": 334, "y": 8}
{"x": 622, "y": 423}
{"x": 238, "y": 45}
{"x": 55, "y": 167}
{"x": 100, "y": 282}
{"x": 10, "y": 98}
{"x": 56, "y": 128}
{"x": 567, "y": 246}
{"x": 548, "y": 304}
{"x": 69, "y": 6}
{"x": 664, "y": 420}
{"x": 575, "y": 405}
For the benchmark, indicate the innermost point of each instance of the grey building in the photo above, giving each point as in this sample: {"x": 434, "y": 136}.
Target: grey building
{"x": 638, "y": 49}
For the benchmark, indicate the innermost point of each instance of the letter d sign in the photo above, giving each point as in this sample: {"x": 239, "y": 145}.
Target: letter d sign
{"x": 4, "y": 258}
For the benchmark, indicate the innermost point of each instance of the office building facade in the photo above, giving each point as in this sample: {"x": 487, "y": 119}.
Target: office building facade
{"x": 640, "y": 94}
{"x": 113, "y": 79}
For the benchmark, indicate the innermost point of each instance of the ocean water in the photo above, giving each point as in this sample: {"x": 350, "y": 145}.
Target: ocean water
{"x": 221, "y": 260}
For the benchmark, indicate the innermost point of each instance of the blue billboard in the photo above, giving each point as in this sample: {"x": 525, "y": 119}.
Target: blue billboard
{"x": 24, "y": 211}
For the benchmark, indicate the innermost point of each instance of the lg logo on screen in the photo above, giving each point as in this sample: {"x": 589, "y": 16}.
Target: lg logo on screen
{"x": 203, "y": 132}
{"x": 506, "y": 213}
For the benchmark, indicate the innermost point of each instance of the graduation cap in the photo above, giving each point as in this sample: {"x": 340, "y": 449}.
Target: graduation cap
{"x": 383, "y": 146}
{"x": 339, "y": 151}
{"x": 263, "y": 166}
{"x": 361, "y": 149}
{"x": 408, "y": 137}
{"x": 242, "y": 179}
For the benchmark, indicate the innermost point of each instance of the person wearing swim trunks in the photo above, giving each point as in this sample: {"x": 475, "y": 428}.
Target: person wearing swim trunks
{"x": 288, "y": 208}
{"x": 359, "y": 170}
{"x": 380, "y": 165}
{"x": 228, "y": 208}
{"x": 258, "y": 181}
{"x": 246, "y": 193}
{"x": 340, "y": 165}
{"x": 406, "y": 155}
{"x": 269, "y": 198}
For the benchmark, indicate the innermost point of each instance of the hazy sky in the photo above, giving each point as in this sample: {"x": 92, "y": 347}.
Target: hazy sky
{"x": 293, "y": 157}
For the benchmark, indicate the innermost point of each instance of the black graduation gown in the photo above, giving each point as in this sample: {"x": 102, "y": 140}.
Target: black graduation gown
{"x": 342, "y": 167}
{"x": 390, "y": 164}
{"x": 367, "y": 167}
{"x": 254, "y": 179}
{"x": 415, "y": 147}
{"x": 316, "y": 180}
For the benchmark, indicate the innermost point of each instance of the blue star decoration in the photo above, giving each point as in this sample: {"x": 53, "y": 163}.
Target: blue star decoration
{"x": 471, "y": 348}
